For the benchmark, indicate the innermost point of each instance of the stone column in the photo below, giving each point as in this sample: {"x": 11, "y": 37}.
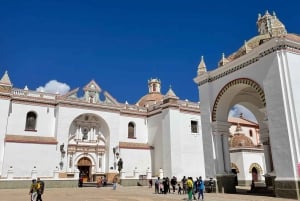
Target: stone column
{"x": 264, "y": 138}
{"x": 227, "y": 161}
{"x": 221, "y": 133}
{"x": 219, "y": 153}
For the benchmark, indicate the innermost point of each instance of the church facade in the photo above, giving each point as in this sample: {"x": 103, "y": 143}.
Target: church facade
{"x": 63, "y": 136}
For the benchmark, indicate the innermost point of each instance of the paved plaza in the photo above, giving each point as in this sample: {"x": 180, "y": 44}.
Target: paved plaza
{"x": 121, "y": 194}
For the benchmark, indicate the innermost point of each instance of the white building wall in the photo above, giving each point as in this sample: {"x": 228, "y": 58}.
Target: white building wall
{"x": 155, "y": 139}
{"x": 293, "y": 60}
{"x": 244, "y": 160}
{"x": 23, "y": 157}
{"x": 44, "y": 124}
{"x": 189, "y": 147}
{"x": 141, "y": 132}
{"x": 4, "y": 111}
{"x": 139, "y": 159}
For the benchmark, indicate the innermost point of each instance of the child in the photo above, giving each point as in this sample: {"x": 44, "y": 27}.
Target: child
{"x": 179, "y": 189}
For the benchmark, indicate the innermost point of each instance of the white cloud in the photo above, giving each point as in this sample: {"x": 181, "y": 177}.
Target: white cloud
{"x": 53, "y": 86}
{"x": 238, "y": 109}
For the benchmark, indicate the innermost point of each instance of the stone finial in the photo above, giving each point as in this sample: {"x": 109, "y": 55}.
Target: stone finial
{"x": 201, "y": 67}
{"x": 5, "y": 79}
{"x": 223, "y": 60}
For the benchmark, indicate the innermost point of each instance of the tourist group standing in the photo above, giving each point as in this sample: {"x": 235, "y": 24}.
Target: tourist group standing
{"x": 186, "y": 186}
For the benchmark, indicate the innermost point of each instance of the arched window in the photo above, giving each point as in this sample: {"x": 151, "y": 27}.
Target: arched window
{"x": 31, "y": 121}
{"x": 131, "y": 133}
{"x": 250, "y": 133}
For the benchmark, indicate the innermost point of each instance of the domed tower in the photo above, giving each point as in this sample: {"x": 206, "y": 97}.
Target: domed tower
{"x": 154, "y": 95}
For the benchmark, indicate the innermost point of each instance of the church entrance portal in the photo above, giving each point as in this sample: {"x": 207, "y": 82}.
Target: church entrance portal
{"x": 84, "y": 167}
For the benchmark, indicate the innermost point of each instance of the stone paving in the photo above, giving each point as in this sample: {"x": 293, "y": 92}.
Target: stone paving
{"x": 121, "y": 194}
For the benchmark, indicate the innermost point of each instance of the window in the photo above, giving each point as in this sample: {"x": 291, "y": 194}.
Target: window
{"x": 30, "y": 121}
{"x": 194, "y": 126}
{"x": 131, "y": 133}
{"x": 250, "y": 133}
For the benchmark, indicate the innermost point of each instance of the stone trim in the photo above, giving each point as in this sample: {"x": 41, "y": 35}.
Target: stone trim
{"x": 250, "y": 61}
{"x": 246, "y": 81}
{"x": 257, "y": 166}
{"x": 132, "y": 145}
{"x": 30, "y": 139}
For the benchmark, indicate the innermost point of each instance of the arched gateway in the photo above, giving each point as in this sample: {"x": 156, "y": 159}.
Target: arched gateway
{"x": 261, "y": 76}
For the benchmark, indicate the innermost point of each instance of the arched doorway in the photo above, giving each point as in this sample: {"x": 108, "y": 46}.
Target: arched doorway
{"x": 84, "y": 166}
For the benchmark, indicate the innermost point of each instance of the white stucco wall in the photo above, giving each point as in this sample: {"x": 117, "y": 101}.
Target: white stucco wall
{"x": 44, "y": 125}
{"x": 135, "y": 158}
{"x": 24, "y": 156}
{"x": 244, "y": 160}
{"x": 141, "y": 132}
{"x": 4, "y": 111}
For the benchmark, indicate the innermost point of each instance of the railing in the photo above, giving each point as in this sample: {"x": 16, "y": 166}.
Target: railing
{"x": 35, "y": 94}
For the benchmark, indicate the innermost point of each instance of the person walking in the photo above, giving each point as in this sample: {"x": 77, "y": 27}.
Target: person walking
{"x": 115, "y": 183}
{"x": 33, "y": 190}
{"x": 40, "y": 189}
{"x": 189, "y": 185}
{"x": 201, "y": 189}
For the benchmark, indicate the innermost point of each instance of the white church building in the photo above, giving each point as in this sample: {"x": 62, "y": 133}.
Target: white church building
{"x": 59, "y": 137}
{"x": 62, "y": 136}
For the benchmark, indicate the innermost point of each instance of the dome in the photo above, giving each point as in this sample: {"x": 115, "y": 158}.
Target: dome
{"x": 154, "y": 94}
{"x": 150, "y": 99}
{"x": 239, "y": 141}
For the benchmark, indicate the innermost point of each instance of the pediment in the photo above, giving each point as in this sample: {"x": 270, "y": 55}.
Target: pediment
{"x": 110, "y": 99}
{"x": 92, "y": 86}
{"x": 72, "y": 94}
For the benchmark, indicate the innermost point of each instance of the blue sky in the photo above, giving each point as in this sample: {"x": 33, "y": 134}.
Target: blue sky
{"x": 122, "y": 44}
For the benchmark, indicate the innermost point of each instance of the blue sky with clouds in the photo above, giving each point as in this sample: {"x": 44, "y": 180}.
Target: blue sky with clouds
{"x": 121, "y": 44}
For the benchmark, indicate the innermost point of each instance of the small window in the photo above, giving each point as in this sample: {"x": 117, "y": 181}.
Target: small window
{"x": 250, "y": 133}
{"x": 131, "y": 129}
{"x": 194, "y": 126}
{"x": 30, "y": 121}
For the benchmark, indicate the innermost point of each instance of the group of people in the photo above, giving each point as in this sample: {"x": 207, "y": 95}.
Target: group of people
{"x": 186, "y": 186}
{"x": 36, "y": 190}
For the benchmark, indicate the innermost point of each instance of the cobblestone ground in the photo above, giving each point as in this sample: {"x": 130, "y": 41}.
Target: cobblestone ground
{"x": 121, "y": 194}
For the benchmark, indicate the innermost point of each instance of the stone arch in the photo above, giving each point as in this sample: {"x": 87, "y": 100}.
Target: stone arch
{"x": 234, "y": 166}
{"x": 234, "y": 83}
{"x": 89, "y": 124}
{"x": 257, "y": 166}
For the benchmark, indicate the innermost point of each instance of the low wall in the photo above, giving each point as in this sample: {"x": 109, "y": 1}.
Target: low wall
{"x": 12, "y": 184}
{"x": 134, "y": 182}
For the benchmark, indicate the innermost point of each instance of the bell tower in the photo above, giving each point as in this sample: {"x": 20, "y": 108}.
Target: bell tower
{"x": 154, "y": 85}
